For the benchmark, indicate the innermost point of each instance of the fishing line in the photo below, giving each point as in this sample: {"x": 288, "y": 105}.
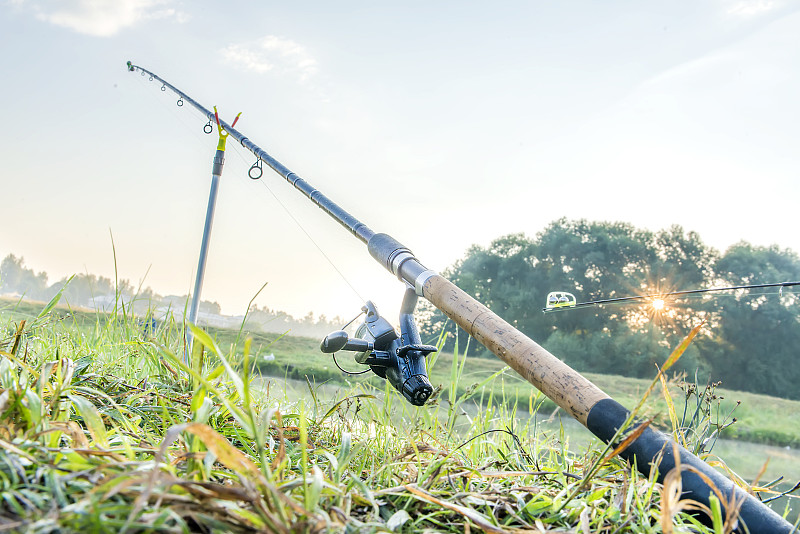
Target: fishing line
{"x": 680, "y": 300}
{"x": 660, "y": 296}
{"x": 302, "y": 228}
{"x": 351, "y": 373}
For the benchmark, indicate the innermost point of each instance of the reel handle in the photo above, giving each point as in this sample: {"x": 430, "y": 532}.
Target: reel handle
{"x": 340, "y": 340}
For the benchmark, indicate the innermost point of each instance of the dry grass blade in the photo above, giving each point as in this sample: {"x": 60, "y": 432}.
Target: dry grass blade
{"x": 477, "y": 518}
{"x": 280, "y": 457}
{"x": 416, "y": 449}
{"x": 731, "y": 505}
{"x": 671, "y": 492}
{"x": 506, "y": 474}
{"x": 227, "y": 454}
{"x": 758, "y": 476}
{"x": 21, "y": 363}
{"x": 214, "y": 490}
{"x": 16, "y": 450}
{"x": 17, "y": 337}
{"x": 672, "y": 503}
{"x": 673, "y": 357}
{"x": 673, "y": 417}
{"x": 681, "y": 348}
{"x": 92, "y": 418}
{"x": 584, "y": 525}
{"x": 73, "y": 431}
{"x": 627, "y": 441}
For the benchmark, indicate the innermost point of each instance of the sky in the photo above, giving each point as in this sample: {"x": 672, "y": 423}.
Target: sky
{"x": 444, "y": 124}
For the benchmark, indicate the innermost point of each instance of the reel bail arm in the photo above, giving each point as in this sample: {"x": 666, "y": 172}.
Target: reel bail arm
{"x": 398, "y": 359}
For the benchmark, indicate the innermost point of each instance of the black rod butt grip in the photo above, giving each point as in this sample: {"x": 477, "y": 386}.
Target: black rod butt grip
{"x": 754, "y": 517}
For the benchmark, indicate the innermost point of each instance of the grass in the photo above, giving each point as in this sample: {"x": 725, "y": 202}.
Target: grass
{"x": 103, "y": 429}
{"x": 759, "y": 418}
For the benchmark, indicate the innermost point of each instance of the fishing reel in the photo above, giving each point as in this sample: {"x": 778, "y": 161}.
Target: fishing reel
{"x": 398, "y": 359}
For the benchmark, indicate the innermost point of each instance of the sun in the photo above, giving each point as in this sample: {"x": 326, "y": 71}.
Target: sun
{"x": 658, "y": 304}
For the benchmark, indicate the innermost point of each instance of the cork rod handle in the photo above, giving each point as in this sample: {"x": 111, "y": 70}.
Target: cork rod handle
{"x": 551, "y": 376}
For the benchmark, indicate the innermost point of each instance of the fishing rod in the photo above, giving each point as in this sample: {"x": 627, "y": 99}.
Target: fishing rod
{"x": 401, "y": 358}
{"x": 562, "y": 301}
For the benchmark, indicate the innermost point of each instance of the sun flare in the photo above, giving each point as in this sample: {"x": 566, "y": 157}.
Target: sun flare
{"x": 658, "y": 304}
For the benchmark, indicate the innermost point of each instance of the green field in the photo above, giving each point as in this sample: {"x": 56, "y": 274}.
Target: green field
{"x": 759, "y": 418}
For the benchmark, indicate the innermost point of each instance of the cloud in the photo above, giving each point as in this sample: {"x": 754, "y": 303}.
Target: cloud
{"x": 100, "y": 18}
{"x": 272, "y": 53}
{"x": 751, "y": 8}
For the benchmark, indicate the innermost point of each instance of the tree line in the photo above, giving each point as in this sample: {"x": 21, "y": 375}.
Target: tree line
{"x": 102, "y": 293}
{"x": 750, "y": 339}
{"x": 86, "y": 290}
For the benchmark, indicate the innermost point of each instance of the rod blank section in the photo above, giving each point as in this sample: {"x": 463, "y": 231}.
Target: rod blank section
{"x": 562, "y": 384}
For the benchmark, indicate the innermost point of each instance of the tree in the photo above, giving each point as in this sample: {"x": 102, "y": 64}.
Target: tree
{"x": 500, "y": 277}
{"x": 593, "y": 260}
{"x": 16, "y": 278}
{"x": 755, "y": 345}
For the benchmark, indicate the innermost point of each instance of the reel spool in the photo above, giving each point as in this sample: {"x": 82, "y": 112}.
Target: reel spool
{"x": 400, "y": 359}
